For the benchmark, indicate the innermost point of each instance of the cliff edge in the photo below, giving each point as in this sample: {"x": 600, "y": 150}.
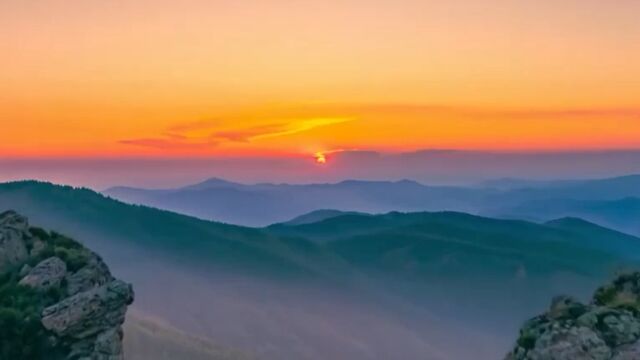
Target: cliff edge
{"x": 608, "y": 328}
{"x": 58, "y": 300}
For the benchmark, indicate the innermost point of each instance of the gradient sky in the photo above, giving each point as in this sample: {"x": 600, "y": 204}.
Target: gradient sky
{"x": 160, "y": 78}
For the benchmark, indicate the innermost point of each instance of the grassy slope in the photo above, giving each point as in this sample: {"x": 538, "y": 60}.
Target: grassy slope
{"x": 147, "y": 338}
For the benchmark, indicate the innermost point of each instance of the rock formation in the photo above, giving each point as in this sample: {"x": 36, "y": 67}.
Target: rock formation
{"x": 80, "y": 306}
{"x": 606, "y": 329}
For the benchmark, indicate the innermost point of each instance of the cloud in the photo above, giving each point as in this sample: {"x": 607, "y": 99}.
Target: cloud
{"x": 427, "y": 110}
{"x": 573, "y": 113}
{"x": 246, "y": 135}
{"x": 206, "y": 134}
{"x": 194, "y": 126}
{"x": 185, "y": 136}
{"x": 302, "y": 126}
{"x": 170, "y": 143}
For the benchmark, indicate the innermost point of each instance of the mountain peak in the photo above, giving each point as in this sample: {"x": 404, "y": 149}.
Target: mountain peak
{"x": 213, "y": 182}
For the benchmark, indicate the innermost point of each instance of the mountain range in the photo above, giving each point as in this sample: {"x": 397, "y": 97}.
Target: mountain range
{"x": 613, "y": 202}
{"x": 332, "y": 284}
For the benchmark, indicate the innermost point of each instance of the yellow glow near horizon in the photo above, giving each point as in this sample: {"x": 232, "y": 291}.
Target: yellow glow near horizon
{"x": 320, "y": 158}
{"x": 96, "y": 78}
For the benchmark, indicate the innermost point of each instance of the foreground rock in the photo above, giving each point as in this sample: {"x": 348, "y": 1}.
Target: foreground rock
{"x": 47, "y": 274}
{"x": 13, "y": 250}
{"x": 606, "y": 329}
{"x": 78, "y": 305}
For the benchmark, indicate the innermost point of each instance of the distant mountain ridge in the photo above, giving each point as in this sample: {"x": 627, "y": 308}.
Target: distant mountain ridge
{"x": 622, "y": 214}
{"x": 265, "y": 204}
{"x": 613, "y": 202}
{"x": 411, "y": 282}
{"x": 317, "y": 216}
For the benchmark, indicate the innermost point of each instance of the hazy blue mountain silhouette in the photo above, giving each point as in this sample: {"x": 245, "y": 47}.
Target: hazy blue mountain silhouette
{"x": 264, "y": 204}
{"x": 611, "y": 202}
{"x": 622, "y": 214}
{"x": 421, "y": 279}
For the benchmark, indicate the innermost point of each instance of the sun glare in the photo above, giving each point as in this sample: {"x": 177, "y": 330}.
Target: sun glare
{"x": 320, "y": 158}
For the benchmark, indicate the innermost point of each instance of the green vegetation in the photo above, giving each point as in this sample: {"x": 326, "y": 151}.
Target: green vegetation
{"x": 527, "y": 341}
{"x": 415, "y": 244}
{"x": 622, "y": 293}
{"x": 86, "y": 214}
{"x": 71, "y": 252}
{"x": 22, "y": 335}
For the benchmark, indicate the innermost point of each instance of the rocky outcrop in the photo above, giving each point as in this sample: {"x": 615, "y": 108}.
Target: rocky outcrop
{"x": 47, "y": 274}
{"x": 13, "y": 250}
{"x": 84, "y": 319}
{"x": 606, "y": 329}
{"x": 90, "y": 312}
{"x": 95, "y": 273}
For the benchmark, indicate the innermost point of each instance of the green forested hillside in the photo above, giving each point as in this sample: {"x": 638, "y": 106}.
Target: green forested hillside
{"x": 464, "y": 270}
{"x": 411, "y": 242}
{"x": 180, "y": 237}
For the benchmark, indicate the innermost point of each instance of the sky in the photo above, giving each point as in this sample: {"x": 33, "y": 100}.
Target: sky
{"x": 304, "y": 79}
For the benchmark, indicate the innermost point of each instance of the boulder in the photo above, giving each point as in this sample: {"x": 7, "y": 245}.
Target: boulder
{"x": 91, "y": 312}
{"x": 83, "y": 318}
{"x": 606, "y": 329}
{"x": 13, "y": 231}
{"x": 47, "y": 274}
{"x": 628, "y": 352}
{"x": 565, "y": 343}
{"x": 616, "y": 326}
{"x": 94, "y": 274}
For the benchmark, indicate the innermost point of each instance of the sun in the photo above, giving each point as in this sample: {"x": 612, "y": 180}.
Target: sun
{"x": 320, "y": 158}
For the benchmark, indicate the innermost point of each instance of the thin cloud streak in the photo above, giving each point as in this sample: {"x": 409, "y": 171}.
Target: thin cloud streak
{"x": 179, "y": 137}
{"x": 484, "y": 112}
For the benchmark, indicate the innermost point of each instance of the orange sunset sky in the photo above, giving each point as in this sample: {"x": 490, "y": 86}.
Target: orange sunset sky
{"x": 159, "y": 78}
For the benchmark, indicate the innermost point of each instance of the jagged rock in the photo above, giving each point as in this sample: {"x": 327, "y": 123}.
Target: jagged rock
{"x": 47, "y": 274}
{"x": 13, "y": 230}
{"x": 628, "y": 352}
{"x": 561, "y": 343}
{"x": 616, "y": 326}
{"x": 606, "y": 329}
{"x": 13, "y": 220}
{"x": 93, "y": 319}
{"x": 94, "y": 274}
{"x": 109, "y": 344}
{"x": 566, "y": 307}
{"x": 90, "y": 312}
{"x": 86, "y": 323}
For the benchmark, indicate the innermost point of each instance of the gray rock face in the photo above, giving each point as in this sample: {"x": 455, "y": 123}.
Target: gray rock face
{"x": 47, "y": 274}
{"x": 93, "y": 320}
{"x": 91, "y": 312}
{"x": 94, "y": 274}
{"x": 88, "y": 319}
{"x": 628, "y": 352}
{"x": 606, "y": 329}
{"x": 13, "y": 250}
{"x": 109, "y": 345}
{"x": 570, "y": 343}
